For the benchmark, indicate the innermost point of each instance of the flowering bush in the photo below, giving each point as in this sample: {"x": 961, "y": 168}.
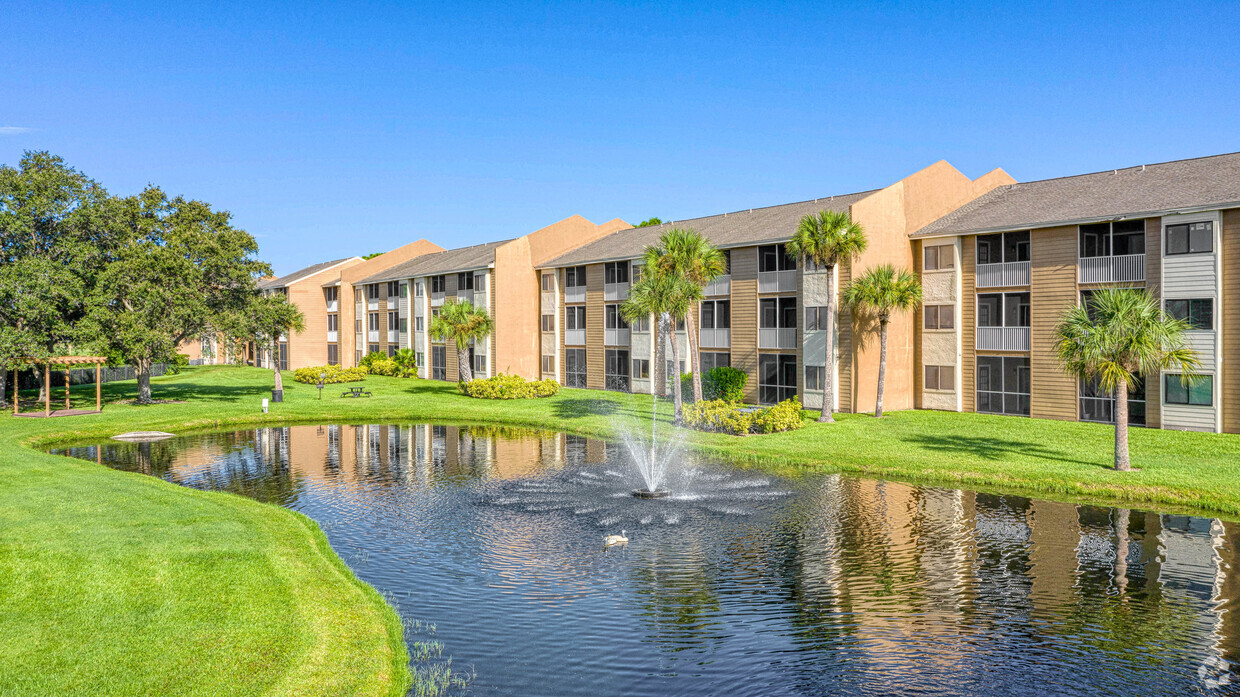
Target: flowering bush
{"x": 785, "y": 416}
{"x": 719, "y": 416}
{"x": 504, "y": 386}
{"x": 332, "y": 374}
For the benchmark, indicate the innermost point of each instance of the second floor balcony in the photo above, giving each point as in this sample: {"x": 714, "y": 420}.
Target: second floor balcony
{"x": 722, "y": 285}
{"x": 574, "y": 337}
{"x": 1003, "y": 338}
{"x": 616, "y": 337}
{"x": 373, "y": 336}
{"x": 575, "y": 294}
{"x": 616, "y": 291}
{"x": 720, "y": 338}
{"x": 777, "y": 337}
{"x": 777, "y": 281}
{"x": 393, "y": 336}
{"x": 438, "y": 298}
{"x": 1003, "y": 275}
{"x": 1111, "y": 269}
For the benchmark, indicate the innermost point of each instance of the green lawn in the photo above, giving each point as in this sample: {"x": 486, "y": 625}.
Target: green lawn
{"x": 116, "y": 583}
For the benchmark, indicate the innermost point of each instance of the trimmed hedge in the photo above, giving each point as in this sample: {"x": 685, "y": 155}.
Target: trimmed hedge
{"x": 333, "y": 374}
{"x": 719, "y": 416}
{"x": 504, "y": 386}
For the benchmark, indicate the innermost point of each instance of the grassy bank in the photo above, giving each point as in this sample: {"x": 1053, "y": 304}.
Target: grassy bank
{"x": 115, "y": 583}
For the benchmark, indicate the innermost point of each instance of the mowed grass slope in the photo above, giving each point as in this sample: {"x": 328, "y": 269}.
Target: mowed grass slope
{"x": 116, "y": 583}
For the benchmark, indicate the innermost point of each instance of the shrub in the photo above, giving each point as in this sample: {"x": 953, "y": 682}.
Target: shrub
{"x": 686, "y": 387}
{"x": 406, "y": 363}
{"x": 333, "y": 374}
{"x": 504, "y": 386}
{"x": 368, "y": 361}
{"x": 724, "y": 383}
{"x": 179, "y": 362}
{"x": 785, "y": 416}
{"x": 386, "y": 367}
{"x": 718, "y": 416}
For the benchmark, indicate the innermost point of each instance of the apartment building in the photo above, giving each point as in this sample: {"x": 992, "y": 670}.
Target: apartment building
{"x": 497, "y": 276}
{"x": 999, "y": 272}
{"x": 303, "y": 288}
{"x": 764, "y": 316}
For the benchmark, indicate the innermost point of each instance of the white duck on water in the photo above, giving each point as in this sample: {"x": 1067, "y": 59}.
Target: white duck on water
{"x": 609, "y": 540}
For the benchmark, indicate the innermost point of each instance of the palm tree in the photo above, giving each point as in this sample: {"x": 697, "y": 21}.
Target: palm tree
{"x": 881, "y": 291}
{"x": 827, "y": 239}
{"x": 460, "y": 322}
{"x": 686, "y": 253}
{"x": 406, "y": 363}
{"x": 666, "y": 297}
{"x": 1117, "y": 336}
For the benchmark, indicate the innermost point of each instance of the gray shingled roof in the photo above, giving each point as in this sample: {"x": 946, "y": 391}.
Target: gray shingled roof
{"x": 290, "y": 279}
{"x": 1132, "y": 192}
{"x": 449, "y": 261}
{"x": 753, "y": 226}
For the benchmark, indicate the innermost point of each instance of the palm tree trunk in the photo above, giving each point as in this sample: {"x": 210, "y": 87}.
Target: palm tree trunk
{"x": 828, "y": 373}
{"x": 464, "y": 373}
{"x": 882, "y": 366}
{"x": 695, "y": 357}
{"x": 1121, "y": 427}
{"x": 678, "y": 397}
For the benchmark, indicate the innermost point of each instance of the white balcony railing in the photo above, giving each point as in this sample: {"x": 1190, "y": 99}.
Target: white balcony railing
{"x": 393, "y": 336}
{"x": 1003, "y": 338}
{"x": 722, "y": 285}
{"x": 575, "y": 294}
{"x": 616, "y": 337}
{"x": 465, "y": 296}
{"x": 1117, "y": 269}
{"x": 720, "y": 338}
{"x": 574, "y": 337}
{"x": 1012, "y": 273}
{"x": 437, "y": 299}
{"x": 372, "y": 336}
{"x": 372, "y": 304}
{"x": 777, "y": 338}
{"x": 333, "y": 337}
{"x": 777, "y": 281}
{"x": 333, "y": 305}
{"x": 615, "y": 291}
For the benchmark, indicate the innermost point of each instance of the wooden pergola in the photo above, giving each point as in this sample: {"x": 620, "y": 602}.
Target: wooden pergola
{"x": 67, "y": 362}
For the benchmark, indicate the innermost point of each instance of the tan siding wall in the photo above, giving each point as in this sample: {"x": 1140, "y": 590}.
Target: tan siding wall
{"x": 559, "y": 279}
{"x": 919, "y": 371}
{"x": 1230, "y": 313}
{"x": 594, "y": 327}
{"x": 745, "y": 317}
{"x": 968, "y": 324}
{"x": 1153, "y": 272}
{"x": 1053, "y": 290}
{"x": 845, "y": 349}
{"x": 494, "y": 356}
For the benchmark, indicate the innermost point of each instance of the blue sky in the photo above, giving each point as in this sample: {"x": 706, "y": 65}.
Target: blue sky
{"x": 338, "y": 129}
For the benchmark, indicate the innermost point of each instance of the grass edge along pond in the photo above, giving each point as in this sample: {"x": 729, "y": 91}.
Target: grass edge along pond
{"x": 120, "y": 583}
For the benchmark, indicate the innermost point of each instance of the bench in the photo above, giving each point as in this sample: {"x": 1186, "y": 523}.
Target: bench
{"x": 355, "y": 392}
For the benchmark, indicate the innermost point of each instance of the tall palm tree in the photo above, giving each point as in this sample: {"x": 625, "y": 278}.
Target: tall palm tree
{"x": 460, "y": 322}
{"x": 827, "y": 239}
{"x": 667, "y": 297}
{"x": 882, "y": 291}
{"x": 1117, "y": 336}
{"x": 686, "y": 253}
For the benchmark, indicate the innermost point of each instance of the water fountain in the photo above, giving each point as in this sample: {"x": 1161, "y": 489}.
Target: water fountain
{"x": 651, "y": 460}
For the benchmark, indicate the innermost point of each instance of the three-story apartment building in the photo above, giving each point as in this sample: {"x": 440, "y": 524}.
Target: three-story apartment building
{"x": 304, "y": 288}
{"x": 1000, "y": 271}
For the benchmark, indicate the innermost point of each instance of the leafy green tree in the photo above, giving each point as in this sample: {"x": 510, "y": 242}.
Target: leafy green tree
{"x": 461, "y": 322}
{"x": 666, "y": 297}
{"x": 1118, "y": 335}
{"x": 827, "y": 239}
{"x": 882, "y": 291}
{"x": 685, "y": 253}
{"x": 182, "y": 266}
{"x": 650, "y": 222}
{"x": 273, "y": 318}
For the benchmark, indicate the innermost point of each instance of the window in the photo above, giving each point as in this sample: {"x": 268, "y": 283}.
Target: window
{"x": 777, "y": 377}
{"x": 391, "y": 350}
{"x": 641, "y": 325}
{"x": 641, "y": 368}
{"x": 1190, "y": 238}
{"x": 1199, "y": 391}
{"x": 1099, "y": 406}
{"x": 332, "y": 294}
{"x": 372, "y": 319}
{"x": 575, "y": 367}
{"x": 574, "y": 318}
{"x": 464, "y": 281}
{"x": 548, "y": 282}
{"x": 774, "y": 257}
{"x": 612, "y": 318}
{"x": 616, "y": 272}
{"x": 333, "y": 354}
{"x": 574, "y": 276}
{"x": 778, "y": 313}
{"x": 716, "y": 314}
{"x": 404, "y": 290}
{"x": 357, "y": 295}
{"x": 1003, "y": 310}
{"x": 1002, "y": 248}
{"x": 548, "y": 323}
{"x": 357, "y": 325}
{"x": 1120, "y": 238}
{"x": 393, "y": 320}
{"x": 548, "y": 366}
{"x": 940, "y": 316}
{"x": 333, "y": 323}
{"x": 418, "y": 289}
{"x": 1198, "y": 312}
{"x": 815, "y": 377}
{"x": 393, "y": 289}
{"x": 478, "y": 362}
{"x": 940, "y": 377}
{"x": 372, "y": 291}
{"x": 815, "y": 319}
{"x": 480, "y": 282}
{"x": 1003, "y": 385}
{"x": 727, "y": 262}
{"x": 616, "y": 369}
{"x": 357, "y": 356}
{"x": 421, "y": 359}
{"x": 940, "y": 257}
{"x": 714, "y": 359}
{"x": 404, "y": 326}
{"x": 417, "y": 323}
{"x": 372, "y": 348}
{"x": 439, "y": 284}
{"x": 439, "y": 362}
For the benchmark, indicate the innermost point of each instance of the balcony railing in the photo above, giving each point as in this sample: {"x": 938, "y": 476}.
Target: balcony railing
{"x": 1003, "y": 338}
{"x": 616, "y": 291}
{"x": 1012, "y": 273}
{"x": 777, "y": 281}
{"x": 372, "y": 304}
{"x": 574, "y": 337}
{"x": 616, "y": 337}
{"x": 372, "y": 336}
{"x": 777, "y": 338}
{"x": 465, "y": 296}
{"x": 575, "y": 294}
{"x": 437, "y": 299}
{"x": 333, "y": 337}
{"x": 1114, "y": 269}
{"x": 393, "y": 336}
{"x": 722, "y": 285}
{"x": 720, "y": 338}
{"x": 333, "y": 305}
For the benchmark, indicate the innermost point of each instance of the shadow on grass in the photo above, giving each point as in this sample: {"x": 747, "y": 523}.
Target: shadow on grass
{"x": 990, "y": 448}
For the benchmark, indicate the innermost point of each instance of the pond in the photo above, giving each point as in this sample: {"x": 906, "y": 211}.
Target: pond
{"x": 489, "y": 544}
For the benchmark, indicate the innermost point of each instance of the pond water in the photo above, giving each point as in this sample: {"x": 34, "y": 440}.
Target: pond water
{"x": 489, "y": 541}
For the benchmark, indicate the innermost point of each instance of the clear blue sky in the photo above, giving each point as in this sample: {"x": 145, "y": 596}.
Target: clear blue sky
{"x": 331, "y": 130}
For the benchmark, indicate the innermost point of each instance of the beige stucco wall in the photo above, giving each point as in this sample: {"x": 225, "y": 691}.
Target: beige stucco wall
{"x": 369, "y": 267}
